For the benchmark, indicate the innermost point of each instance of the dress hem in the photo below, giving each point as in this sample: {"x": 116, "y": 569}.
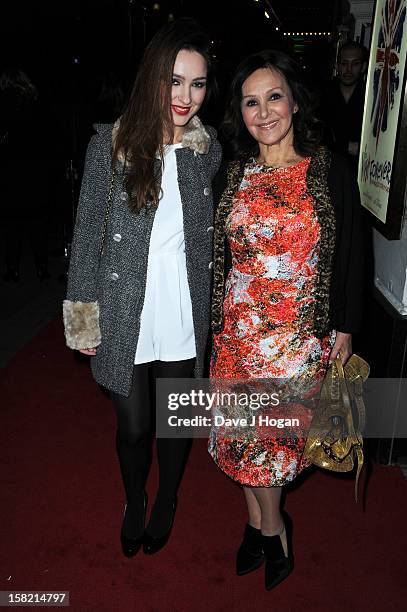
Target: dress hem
{"x": 167, "y": 358}
{"x": 280, "y": 483}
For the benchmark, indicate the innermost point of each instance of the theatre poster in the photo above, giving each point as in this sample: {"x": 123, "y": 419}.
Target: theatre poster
{"x": 382, "y": 169}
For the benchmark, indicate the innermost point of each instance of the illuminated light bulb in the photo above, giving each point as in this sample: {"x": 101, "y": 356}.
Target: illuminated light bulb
{"x": 266, "y": 14}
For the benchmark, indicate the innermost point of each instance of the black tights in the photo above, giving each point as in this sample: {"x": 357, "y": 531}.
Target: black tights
{"x": 135, "y": 429}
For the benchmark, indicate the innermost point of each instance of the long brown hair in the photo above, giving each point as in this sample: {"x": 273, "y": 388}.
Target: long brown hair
{"x": 148, "y": 114}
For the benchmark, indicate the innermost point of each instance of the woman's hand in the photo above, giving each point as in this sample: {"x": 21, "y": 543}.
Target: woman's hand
{"x": 342, "y": 347}
{"x": 89, "y": 351}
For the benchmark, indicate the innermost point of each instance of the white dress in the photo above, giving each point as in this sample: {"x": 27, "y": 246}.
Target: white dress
{"x": 166, "y": 326}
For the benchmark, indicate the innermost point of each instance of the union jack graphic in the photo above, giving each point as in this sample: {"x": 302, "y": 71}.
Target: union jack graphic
{"x": 386, "y": 79}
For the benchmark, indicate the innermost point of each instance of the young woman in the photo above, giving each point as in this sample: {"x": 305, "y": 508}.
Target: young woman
{"x": 287, "y": 283}
{"x": 138, "y": 296}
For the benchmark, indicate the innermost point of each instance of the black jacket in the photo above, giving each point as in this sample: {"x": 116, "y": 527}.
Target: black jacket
{"x": 343, "y": 120}
{"x": 345, "y": 299}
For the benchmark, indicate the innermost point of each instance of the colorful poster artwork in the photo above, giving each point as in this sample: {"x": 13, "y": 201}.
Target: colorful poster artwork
{"x": 384, "y": 96}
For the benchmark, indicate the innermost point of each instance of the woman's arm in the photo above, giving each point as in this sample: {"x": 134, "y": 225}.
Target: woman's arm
{"x": 349, "y": 264}
{"x": 81, "y": 309}
{"x": 213, "y": 157}
{"x": 216, "y": 157}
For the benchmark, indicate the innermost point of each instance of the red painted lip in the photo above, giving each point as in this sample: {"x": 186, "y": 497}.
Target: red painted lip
{"x": 181, "y": 110}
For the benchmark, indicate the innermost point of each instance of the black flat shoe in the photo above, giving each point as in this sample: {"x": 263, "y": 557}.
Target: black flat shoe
{"x": 250, "y": 555}
{"x": 152, "y": 544}
{"x": 131, "y": 546}
{"x": 278, "y": 566}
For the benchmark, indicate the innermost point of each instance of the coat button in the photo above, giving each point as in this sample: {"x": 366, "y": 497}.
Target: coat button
{"x": 124, "y": 196}
{"x": 114, "y": 276}
{"x": 117, "y": 237}
{"x": 210, "y": 229}
{"x": 207, "y": 191}
{"x": 210, "y": 266}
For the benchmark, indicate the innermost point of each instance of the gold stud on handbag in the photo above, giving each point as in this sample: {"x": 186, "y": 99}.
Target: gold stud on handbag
{"x": 334, "y": 442}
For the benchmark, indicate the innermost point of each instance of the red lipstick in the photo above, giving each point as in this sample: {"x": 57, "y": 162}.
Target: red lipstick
{"x": 181, "y": 110}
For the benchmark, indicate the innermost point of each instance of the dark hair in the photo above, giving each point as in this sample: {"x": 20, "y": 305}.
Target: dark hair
{"x": 148, "y": 114}
{"x": 305, "y": 125}
{"x": 356, "y": 46}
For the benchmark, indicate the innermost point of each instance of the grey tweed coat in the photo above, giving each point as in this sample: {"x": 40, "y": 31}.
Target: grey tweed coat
{"x": 105, "y": 294}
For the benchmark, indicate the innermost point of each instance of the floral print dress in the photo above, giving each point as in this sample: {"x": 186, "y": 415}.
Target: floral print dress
{"x": 273, "y": 233}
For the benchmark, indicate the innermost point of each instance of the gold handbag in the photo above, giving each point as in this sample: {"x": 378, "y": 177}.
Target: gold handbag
{"x": 334, "y": 443}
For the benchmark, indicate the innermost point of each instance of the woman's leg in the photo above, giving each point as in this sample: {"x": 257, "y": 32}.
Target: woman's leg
{"x": 133, "y": 444}
{"x": 250, "y": 554}
{"x": 272, "y": 522}
{"x": 253, "y": 508}
{"x": 172, "y": 454}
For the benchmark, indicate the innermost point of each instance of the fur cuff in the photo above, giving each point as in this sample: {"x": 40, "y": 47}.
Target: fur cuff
{"x": 81, "y": 321}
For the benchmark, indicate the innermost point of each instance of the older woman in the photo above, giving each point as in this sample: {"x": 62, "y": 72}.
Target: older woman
{"x": 287, "y": 281}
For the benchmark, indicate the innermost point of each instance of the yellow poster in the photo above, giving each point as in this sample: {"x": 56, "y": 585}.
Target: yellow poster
{"x": 384, "y": 96}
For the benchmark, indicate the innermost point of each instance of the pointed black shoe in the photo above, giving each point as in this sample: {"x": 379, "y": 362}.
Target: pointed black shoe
{"x": 250, "y": 554}
{"x": 151, "y": 544}
{"x": 131, "y": 546}
{"x": 278, "y": 566}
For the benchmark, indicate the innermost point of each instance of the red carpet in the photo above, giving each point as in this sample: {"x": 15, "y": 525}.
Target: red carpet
{"x": 62, "y": 504}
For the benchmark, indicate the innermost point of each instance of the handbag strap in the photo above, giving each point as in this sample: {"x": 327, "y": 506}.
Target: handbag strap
{"x": 342, "y": 383}
{"x": 357, "y": 371}
{"x": 356, "y": 440}
{"x": 106, "y": 217}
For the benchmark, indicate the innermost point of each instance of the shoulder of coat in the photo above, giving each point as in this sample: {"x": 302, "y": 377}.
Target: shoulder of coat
{"x": 107, "y": 133}
{"x": 211, "y": 131}
{"x": 235, "y": 170}
{"x": 103, "y": 137}
{"x": 320, "y": 163}
{"x": 105, "y": 129}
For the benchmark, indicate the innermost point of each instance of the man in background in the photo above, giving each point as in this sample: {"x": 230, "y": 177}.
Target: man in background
{"x": 342, "y": 106}
{"x": 342, "y": 103}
